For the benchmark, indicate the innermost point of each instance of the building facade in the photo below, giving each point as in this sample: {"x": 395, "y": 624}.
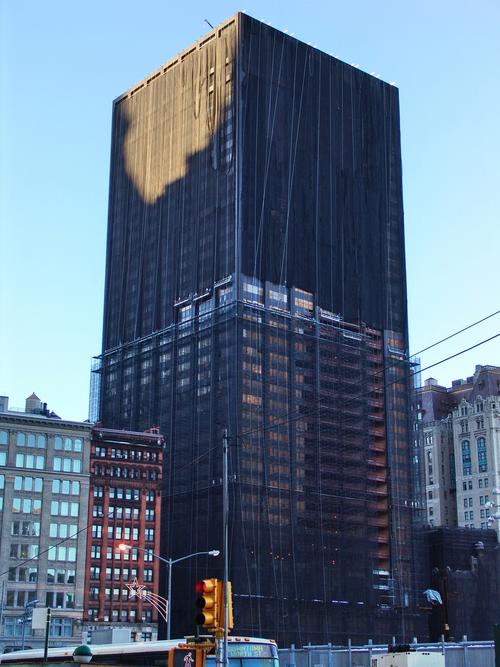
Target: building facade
{"x": 255, "y": 284}
{"x": 435, "y": 428}
{"x": 124, "y": 508}
{"x": 44, "y": 480}
{"x": 476, "y": 431}
{"x": 461, "y": 427}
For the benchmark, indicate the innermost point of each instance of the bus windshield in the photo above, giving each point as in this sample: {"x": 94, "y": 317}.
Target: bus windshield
{"x": 251, "y": 655}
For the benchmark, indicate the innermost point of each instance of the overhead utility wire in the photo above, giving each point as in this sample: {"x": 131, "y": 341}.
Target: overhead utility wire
{"x": 429, "y": 347}
{"x": 52, "y": 546}
{"x": 457, "y": 354}
{"x": 291, "y": 417}
{"x": 386, "y": 368}
{"x": 312, "y": 412}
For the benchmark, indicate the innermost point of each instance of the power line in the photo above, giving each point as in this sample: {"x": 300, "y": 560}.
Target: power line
{"x": 52, "y": 546}
{"x": 385, "y": 368}
{"x": 456, "y": 333}
{"x": 317, "y": 408}
{"x": 457, "y": 354}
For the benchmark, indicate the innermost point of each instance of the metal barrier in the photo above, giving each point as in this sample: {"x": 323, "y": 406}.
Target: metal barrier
{"x": 457, "y": 654}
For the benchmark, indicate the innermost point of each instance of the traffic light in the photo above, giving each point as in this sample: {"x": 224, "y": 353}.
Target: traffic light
{"x": 209, "y": 601}
{"x": 230, "y": 623}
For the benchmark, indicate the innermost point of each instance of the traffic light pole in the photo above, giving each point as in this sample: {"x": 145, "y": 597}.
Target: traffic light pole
{"x": 225, "y": 542}
{"x": 221, "y": 653}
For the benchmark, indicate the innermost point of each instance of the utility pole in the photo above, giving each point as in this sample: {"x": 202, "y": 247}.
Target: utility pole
{"x": 225, "y": 542}
{"x": 1, "y": 607}
{"x": 47, "y": 634}
{"x": 221, "y": 633}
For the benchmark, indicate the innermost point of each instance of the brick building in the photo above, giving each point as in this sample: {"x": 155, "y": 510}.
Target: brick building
{"x": 124, "y": 507}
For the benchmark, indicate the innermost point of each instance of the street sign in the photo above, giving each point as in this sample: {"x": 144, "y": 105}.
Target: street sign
{"x": 39, "y": 618}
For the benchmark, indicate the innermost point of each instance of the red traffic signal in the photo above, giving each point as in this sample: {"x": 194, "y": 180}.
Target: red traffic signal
{"x": 208, "y": 601}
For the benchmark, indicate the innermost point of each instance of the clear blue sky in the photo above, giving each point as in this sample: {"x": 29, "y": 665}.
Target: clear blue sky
{"x": 62, "y": 64}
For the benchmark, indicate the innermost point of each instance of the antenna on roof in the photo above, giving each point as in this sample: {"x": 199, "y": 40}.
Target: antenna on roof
{"x": 207, "y": 21}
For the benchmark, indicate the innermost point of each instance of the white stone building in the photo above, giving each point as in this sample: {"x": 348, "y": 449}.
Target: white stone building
{"x": 44, "y": 485}
{"x": 460, "y": 427}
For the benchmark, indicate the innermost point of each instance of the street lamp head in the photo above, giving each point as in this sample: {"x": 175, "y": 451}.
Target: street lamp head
{"x": 214, "y": 552}
{"x": 124, "y": 547}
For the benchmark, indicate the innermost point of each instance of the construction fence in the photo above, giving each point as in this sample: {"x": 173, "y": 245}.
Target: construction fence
{"x": 459, "y": 654}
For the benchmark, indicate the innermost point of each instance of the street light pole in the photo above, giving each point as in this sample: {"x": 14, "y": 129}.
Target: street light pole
{"x": 28, "y": 612}
{"x": 169, "y": 562}
{"x": 169, "y": 592}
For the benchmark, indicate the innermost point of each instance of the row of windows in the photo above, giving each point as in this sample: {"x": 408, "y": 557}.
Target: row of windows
{"x": 60, "y": 600}
{"x": 26, "y": 505}
{"x": 67, "y": 464}
{"x": 120, "y": 574}
{"x": 115, "y": 594}
{"x": 123, "y": 533}
{"x": 464, "y": 425}
{"x": 62, "y": 553}
{"x": 65, "y": 486}
{"x": 30, "y": 461}
{"x": 59, "y": 627}
{"x": 123, "y": 512}
{"x": 25, "y": 528}
{"x": 23, "y": 551}
{"x": 31, "y": 440}
{"x": 39, "y": 441}
{"x": 19, "y": 598}
{"x": 68, "y": 444}
{"x": 38, "y": 462}
{"x": 116, "y": 554}
{"x": 124, "y": 493}
{"x": 125, "y": 472}
{"x": 481, "y": 456}
{"x": 126, "y": 454}
{"x": 60, "y": 576}
{"x": 63, "y": 530}
{"x": 28, "y": 484}
{"x": 123, "y": 615}
{"x": 29, "y": 574}
{"x": 479, "y": 408}
{"x": 64, "y": 508}
{"x": 118, "y": 512}
{"x": 482, "y": 483}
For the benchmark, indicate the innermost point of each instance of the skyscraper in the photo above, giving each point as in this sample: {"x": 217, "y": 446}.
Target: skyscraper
{"x": 255, "y": 282}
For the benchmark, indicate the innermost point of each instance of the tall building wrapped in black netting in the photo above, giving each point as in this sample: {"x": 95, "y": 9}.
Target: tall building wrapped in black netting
{"x": 255, "y": 282}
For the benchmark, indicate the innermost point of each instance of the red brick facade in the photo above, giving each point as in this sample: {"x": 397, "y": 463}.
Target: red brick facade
{"x": 124, "y": 508}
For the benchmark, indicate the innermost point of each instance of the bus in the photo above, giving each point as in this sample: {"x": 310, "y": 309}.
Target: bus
{"x": 242, "y": 652}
